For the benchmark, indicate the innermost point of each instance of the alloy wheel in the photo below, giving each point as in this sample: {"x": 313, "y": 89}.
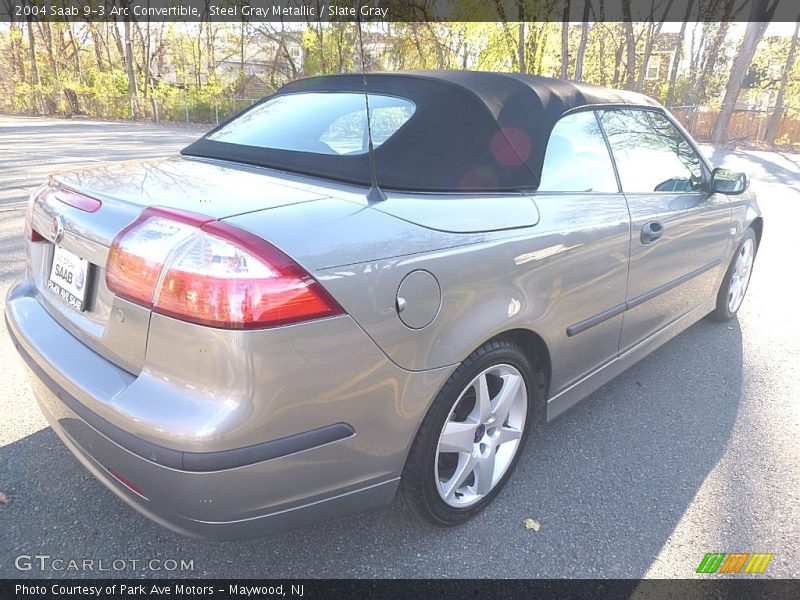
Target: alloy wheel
{"x": 740, "y": 278}
{"x": 481, "y": 436}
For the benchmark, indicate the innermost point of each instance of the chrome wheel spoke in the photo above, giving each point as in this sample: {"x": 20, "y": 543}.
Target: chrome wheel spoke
{"x": 747, "y": 254}
{"x": 483, "y": 403}
{"x": 466, "y": 465}
{"x": 457, "y": 437}
{"x": 506, "y": 398}
{"x": 484, "y": 474}
{"x": 508, "y": 434}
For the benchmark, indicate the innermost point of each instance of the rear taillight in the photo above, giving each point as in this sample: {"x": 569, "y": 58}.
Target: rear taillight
{"x": 30, "y": 232}
{"x": 139, "y": 252}
{"x": 211, "y": 273}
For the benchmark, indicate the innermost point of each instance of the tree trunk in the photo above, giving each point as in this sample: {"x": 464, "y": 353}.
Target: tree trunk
{"x": 37, "y": 94}
{"x": 630, "y": 46}
{"x": 582, "y": 44}
{"x": 198, "y": 62}
{"x": 565, "y": 42}
{"x": 211, "y": 45}
{"x": 340, "y": 47}
{"x": 713, "y": 52}
{"x": 107, "y": 44}
{"x": 648, "y": 50}
{"x": 17, "y": 60}
{"x": 417, "y": 42}
{"x": 775, "y": 119}
{"x": 47, "y": 35}
{"x": 133, "y": 92}
{"x": 758, "y": 20}
{"x": 531, "y": 49}
{"x": 673, "y": 73}
{"x": 618, "y": 50}
{"x": 694, "y": 52}
{"x": 541, "y": 45}
{"x": 241, "y": 83}
{"x": 147, "y": 59}
{"x": 602, "y": 49}
{"x": 521, "y": 37}
{"x": 98, "y": 48}
{"x": 74, "y": 42}
{"x": 118, "y": 42}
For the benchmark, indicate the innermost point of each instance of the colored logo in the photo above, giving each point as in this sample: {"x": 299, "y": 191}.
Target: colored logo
{"x": 734, "y": 562}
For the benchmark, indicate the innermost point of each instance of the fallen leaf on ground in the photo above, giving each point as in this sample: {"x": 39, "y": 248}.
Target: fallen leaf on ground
{"x": 531, "y": 524}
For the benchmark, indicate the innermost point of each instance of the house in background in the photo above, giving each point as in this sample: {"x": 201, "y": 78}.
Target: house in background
{"x": 266, "y": 62}
{"x": 660, "y": 62}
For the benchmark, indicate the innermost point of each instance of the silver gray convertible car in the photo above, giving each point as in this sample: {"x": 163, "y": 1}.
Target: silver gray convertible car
{"x": 364, "y": 287}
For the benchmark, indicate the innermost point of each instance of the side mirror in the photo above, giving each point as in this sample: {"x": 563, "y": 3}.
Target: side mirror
{"x": 724, "y": 181}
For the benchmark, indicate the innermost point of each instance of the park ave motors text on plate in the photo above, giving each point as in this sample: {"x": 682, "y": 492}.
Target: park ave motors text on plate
{"x": 124, "y": 589}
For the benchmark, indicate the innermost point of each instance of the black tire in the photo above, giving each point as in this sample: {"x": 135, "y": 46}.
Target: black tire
{"x": 418, "y": 490}
{"x": 722, "y": 311}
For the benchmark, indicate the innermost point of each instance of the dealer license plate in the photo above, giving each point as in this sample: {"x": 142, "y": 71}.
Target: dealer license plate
{"x": 69, "y": 278}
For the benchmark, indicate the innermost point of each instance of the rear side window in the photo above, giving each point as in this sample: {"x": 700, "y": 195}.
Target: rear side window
{"x": 318, "y": 122}
{"x": 577, "y": 158}
{"x": 650, "y": 153}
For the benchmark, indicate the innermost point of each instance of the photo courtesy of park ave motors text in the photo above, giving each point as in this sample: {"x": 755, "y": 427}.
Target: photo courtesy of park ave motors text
{"x": 398, "y": 278}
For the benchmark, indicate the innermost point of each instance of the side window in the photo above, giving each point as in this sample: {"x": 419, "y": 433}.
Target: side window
{"x": 650, "y": 153}
{"x": 577, "y": 157}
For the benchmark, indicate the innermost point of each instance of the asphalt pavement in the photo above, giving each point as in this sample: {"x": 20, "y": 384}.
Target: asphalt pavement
{"x": 693, "y": 450}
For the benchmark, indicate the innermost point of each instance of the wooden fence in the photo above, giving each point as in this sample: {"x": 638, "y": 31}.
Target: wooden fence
{"x": 744, "y": 126}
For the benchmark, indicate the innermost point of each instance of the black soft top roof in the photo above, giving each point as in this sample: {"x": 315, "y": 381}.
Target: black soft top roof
{"x": 471, "y": 131}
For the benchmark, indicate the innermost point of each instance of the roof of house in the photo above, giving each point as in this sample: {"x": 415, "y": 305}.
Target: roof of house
{"x": 471, "y": 131}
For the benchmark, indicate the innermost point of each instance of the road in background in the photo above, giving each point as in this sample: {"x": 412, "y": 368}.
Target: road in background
{"x": 693, "y": 450}
{"x": 33, "y": 147}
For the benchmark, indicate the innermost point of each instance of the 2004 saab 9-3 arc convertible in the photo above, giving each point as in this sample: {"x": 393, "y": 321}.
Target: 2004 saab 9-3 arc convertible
{"x": 281, "y": 325}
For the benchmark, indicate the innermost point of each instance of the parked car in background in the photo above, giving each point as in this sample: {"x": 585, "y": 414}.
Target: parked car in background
{"x": 244, "y": 338}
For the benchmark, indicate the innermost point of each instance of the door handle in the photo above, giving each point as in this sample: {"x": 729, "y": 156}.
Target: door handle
{"x": 651, "y": 232}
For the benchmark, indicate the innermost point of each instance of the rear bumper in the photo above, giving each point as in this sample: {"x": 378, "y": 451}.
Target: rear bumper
{"x": 200, "y": 489}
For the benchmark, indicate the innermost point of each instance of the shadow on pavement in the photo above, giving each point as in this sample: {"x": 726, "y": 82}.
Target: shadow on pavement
{"x": 759, "y": 167}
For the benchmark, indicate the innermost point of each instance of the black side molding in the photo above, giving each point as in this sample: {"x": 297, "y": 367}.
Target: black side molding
{"x": 188, "y": 461}
{"x": 291, "y": 444}
{"x": 607, "y": 314}
{"x": 617, "y": 309}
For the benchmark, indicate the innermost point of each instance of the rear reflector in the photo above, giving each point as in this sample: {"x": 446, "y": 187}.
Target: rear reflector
{"x": 211, "y": 273}
{"x": 126, "y": 482}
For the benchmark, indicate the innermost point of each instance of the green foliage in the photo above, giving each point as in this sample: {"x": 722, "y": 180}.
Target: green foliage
{"x": 330, "y": 48}
{"x": 195, "y": 69}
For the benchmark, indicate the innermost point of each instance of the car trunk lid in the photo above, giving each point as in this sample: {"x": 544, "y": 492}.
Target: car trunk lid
{"x": 113, "y": 327}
